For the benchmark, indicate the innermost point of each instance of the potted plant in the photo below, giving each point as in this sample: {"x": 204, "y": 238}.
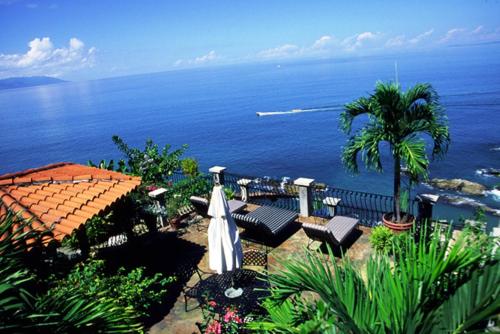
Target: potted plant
{"x": 398, "y": 118}
{"x": 174, "y": 203}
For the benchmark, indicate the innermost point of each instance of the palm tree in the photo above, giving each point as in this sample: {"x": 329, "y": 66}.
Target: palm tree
{"x": 435, "y": 287}
{"x": 398, "y": 118}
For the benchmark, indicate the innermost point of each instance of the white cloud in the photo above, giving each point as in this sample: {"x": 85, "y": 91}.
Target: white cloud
{"x": 419, "y": 38}
{"x": 452, "y": 34}
{"x": 465, "y": 36}
{"x": 201, "y": 60}
{"x": 363, "y": 39}
{"x": 396, "y": 41}
{"x": 43, "y": 58}
{"x": 478, "y": 30}
{"x": 322, "y": 42}
{"x": 211, "y": 56}
{"x": 283, "y": 51}
{"x": 401, "y": 41}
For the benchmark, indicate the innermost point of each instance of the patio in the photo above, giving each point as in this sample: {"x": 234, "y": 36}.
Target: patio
{"x": 179, "y": 321}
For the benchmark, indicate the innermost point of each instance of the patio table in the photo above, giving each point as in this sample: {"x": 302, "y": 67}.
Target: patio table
{"x": 213, "y": 288}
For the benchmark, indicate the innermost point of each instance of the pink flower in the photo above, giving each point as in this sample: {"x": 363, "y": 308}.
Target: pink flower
{"x": 212, "y": 303}
{"x": 229, "y": 316}
{"x": 214, "y": 328}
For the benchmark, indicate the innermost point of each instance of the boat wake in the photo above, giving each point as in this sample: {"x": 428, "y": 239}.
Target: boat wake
{"x": 298, "y": 111}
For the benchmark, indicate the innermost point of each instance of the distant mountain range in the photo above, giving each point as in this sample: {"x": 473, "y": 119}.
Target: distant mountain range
{"x": 19, "y": 82}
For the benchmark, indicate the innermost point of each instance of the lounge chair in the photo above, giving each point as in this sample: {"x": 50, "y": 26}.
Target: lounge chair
{"x": 200, "y": 205}
{"x": 268, "y": 220}
{"x": 334, "y": 232}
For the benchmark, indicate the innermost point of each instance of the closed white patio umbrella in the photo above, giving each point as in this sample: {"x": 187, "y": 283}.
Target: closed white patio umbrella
{"x": 224, "y": 246}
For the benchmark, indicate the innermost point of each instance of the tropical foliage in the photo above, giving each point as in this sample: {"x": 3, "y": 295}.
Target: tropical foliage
{"x": 381, "y": 239}
{"x": 97, "y": 229}
{"x": 23, "y": 309}
{"x": 151, "y": 164}
{"x": 439, "y": 286}
{"x": 397, "y": 118}
{"x": 190, "y": 167}
{"x": 103, "y": 164}
{"x": 128, "y": 289}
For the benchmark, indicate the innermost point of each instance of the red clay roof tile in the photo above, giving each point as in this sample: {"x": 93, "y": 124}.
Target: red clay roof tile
{"x": 62, "y": 195}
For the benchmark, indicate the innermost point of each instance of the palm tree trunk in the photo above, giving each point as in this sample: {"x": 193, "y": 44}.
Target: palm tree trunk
{"x": 397, "y": 188}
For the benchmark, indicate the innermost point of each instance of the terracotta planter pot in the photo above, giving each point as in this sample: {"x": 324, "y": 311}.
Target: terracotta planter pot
{"x": 397, "y": 227}
{"x": 175, "y": 223}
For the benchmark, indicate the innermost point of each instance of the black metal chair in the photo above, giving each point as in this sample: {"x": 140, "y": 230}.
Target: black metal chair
{"x": 191, "y": 292}
{"x": 255, "y": 258}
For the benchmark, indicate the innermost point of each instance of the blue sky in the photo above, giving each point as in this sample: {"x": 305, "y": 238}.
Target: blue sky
{"x": 89, "y": 39}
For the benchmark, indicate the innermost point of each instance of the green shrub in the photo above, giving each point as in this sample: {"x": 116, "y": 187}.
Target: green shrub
{"x": 128, "y": 289}
{"x": 197, "y": 186}
{"x": 25, "y": 307}
{"x": 381, "y": 239}
{"x": 152, "y": 164}
{"x": 229, "y": 193}
{"x": 97, "y": 229}
{"x": 189, "y": 167}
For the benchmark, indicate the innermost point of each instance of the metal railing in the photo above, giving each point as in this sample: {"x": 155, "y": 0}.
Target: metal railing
{"x": 367, "y": 207}
{"x": 266, "y": 191}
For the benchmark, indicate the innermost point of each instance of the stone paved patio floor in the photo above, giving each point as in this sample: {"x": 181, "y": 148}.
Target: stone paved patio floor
{"x": 179, "y": 321}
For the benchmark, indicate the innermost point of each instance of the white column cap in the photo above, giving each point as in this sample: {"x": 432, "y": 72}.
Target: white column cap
{"x": 303, "y": 182}
{"x": 216, "y": 169}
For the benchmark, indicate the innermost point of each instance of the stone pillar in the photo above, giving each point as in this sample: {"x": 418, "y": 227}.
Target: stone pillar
{"x": 218, "y": 174}
{"x": 425, "y": 204}
{"x": 244, "y": 183}
{"x": 156, "y": 195}
{"x": 331, "y": 203}
{"x": 305, "y": 195}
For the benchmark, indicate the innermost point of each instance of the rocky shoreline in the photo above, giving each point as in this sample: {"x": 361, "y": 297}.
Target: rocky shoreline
{"x": 460, "y": 185}
{"x": 466, "y": 187}
{"x": 461, "y": 200}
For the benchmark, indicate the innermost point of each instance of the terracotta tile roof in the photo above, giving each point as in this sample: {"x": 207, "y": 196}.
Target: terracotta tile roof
{"x": 63, "y": 195}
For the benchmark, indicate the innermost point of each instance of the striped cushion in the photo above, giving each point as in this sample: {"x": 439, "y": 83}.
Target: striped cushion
{"x": 315, "y": 231}
{"x": 341, "y": 226}
{"x": 273, "y": 220}
{"x": 244, "y": 220}
{"x": 199, "y": 200}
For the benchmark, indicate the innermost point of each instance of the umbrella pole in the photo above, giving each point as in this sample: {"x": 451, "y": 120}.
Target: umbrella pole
{"x": 231, "y": 292}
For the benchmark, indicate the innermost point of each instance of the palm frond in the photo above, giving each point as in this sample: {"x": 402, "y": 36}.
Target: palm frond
{"x": 421, "y": 93}
{"x": 361, "y": 106}
{"x": 367, "y": 143}
{"x": 405, "y": 295}
{"x": 78, "y": 314}
{"x": 295, "y": 316}
{"x": 472, "y": 303}
{"x": 412, "y": 152}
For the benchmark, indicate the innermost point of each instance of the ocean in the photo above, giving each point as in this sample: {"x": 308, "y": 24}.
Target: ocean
{"x": 213, "y": 110}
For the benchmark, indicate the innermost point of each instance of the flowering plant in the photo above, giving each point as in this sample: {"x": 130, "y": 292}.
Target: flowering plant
{"x": 226, "y": 323}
